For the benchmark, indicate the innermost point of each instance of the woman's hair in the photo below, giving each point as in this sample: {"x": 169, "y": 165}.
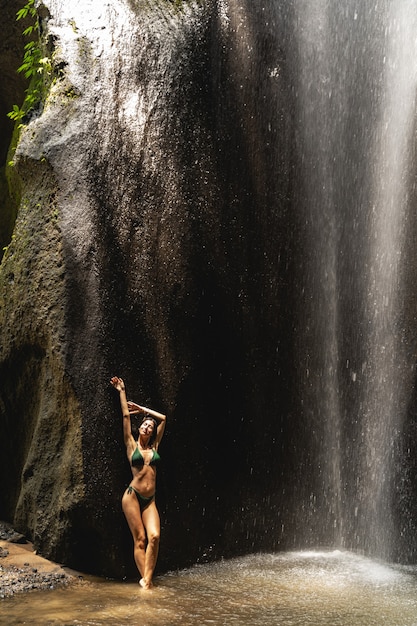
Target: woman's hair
{"x": 155, "y": 428}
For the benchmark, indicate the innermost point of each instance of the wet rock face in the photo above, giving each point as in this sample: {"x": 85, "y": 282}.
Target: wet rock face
{"x": 137, "y": 252}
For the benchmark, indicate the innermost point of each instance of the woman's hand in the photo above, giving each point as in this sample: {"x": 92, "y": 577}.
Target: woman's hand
{"x": 134, "y": 408}
{"x": 117, "y": 383}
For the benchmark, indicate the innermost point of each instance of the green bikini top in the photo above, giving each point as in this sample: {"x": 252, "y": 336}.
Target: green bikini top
{"x": 137, "y": 458}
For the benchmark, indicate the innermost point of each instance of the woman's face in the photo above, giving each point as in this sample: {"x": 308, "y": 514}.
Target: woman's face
{"x": 147, "y": 428}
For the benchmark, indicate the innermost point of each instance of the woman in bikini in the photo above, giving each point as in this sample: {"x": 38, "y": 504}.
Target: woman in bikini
{"x": 138, "y": 502}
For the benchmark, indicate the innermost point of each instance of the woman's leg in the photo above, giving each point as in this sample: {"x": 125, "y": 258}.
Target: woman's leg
{"x": 150, "y": 517}
{"x": 130, "y": 506}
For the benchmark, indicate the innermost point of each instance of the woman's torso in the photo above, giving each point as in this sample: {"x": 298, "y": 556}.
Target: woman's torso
{"x": 143, "y": 463}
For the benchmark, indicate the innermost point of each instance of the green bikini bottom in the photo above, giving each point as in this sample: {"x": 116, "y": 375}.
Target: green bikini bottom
{"x": 143, "y": 500}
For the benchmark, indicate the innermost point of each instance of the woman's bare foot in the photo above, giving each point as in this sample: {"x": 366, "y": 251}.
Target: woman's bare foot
{"x": 145, "y": 584}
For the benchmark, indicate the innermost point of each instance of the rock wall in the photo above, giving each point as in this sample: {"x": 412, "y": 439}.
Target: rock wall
{"x": 137, "y": 252}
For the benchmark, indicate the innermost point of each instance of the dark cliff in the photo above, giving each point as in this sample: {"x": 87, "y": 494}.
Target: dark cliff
{"x": 151, "y": 242}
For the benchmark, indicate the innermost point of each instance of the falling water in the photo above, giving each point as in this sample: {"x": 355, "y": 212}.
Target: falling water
{"x": 355, "y": 111}
{"x": 385, "y": 394}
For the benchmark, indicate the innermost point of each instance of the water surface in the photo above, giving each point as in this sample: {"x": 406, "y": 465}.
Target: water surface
{"x": 296, "y": 589}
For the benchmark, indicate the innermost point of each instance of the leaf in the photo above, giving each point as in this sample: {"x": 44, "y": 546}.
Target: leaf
{"x": 30, "y": 45}
{"x": 22, "y": 13}
{"x": 16, "y": 114}
{"x": 29, "y": 30}
{"x": 28, "y": 9}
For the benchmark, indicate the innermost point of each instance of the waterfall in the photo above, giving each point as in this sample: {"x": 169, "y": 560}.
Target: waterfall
{"x": 355, "y": 115}
{"x": 390, "y": 370}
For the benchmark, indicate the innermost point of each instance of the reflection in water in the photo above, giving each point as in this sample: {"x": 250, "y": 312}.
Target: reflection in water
{"x": 298, "y": 588}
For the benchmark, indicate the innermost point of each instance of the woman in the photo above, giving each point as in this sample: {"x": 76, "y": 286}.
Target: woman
{"x": 138, "y": 501}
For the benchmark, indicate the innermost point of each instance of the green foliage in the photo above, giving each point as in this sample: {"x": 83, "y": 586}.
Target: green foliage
{"x": 27, "y": 10}
{"x": 35, "y": 66}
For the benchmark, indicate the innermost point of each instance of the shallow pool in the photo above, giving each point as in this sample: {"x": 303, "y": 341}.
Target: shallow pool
{"x": 294, "y": 589}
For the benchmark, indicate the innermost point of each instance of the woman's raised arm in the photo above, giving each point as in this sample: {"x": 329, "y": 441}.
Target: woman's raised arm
{"x": 160, "y": 418}
{"x": 119, "y": 385}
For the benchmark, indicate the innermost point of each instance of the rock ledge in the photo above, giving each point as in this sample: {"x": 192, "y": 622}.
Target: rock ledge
{"x": 22, "y": 570}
